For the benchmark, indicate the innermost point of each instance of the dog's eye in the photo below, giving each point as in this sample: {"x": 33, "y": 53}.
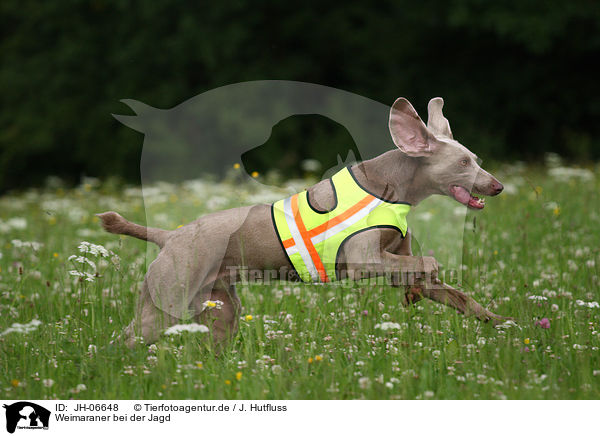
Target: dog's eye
{"x": 464, "y": 162}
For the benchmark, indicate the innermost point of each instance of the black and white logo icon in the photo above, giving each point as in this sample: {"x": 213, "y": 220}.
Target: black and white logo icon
{"x": 26, "y": 415}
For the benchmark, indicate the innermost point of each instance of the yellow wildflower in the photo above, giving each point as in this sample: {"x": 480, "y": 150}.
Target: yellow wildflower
{"x": 236, "y": 166}
{"x": 556, "y": 211}
{"x": 210, "y": 304}
{"x": 254, "y": 174}
{"x": 318, "y": 358}
{"x": 15, "y": 383}
{"x": 199, "y": 365}
{"x": 227, "y": 382}
{"x": 248, "y": 317}
{"x": 55, "y": 255}
{"x": 526, "y": 341}
{"x": 238, "y": 375}
{"x": 310, "y": 360}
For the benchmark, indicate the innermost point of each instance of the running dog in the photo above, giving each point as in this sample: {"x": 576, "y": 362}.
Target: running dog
{"x": 348, "y": 226}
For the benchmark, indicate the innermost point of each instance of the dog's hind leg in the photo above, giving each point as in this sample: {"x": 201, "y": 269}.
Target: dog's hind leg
{"x": 222, "y": 320}
{"x": 149, "y": 322}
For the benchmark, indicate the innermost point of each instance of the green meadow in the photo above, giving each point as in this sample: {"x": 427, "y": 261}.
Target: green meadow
{"x": 532, "y": 254}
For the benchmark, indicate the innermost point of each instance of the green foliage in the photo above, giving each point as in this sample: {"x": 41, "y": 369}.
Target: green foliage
{"x": 514, "y": 74}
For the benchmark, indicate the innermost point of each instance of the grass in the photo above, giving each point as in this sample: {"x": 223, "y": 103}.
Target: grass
{"x": 539, "y": 238}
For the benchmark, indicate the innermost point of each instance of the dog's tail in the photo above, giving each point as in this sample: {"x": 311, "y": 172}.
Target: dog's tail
{"x": 115, "y": 223}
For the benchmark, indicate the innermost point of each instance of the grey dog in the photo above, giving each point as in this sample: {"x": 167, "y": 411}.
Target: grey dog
{"x": 196, "y": 261}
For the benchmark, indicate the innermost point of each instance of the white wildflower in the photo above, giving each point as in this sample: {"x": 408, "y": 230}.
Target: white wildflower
{"x": 426, "y": 216}
{"x": 87, "y": 276}
{"x": 82, "y": 259}
{"x": 192, "y": 328}
{"x": 537, "y": 298}
{"x": 364, "y": 382}
{"x": 48, "y": 382}
{"x": 510, "y": 189}
{"x": 507, "y": 324}
{"x": 590, "y": 304}
{"x": 35, "y": 246}
{"x": 96, "y": 250}
{"x": 16, "y": 223}
{"x": 566, "y": 173}
{"x": 310, "y": 165}
{"x": 22, "y": 328}
{"x": 388, "y": 326}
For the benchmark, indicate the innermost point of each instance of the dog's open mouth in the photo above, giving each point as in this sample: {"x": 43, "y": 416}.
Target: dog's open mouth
{"x": 463, "y": 196}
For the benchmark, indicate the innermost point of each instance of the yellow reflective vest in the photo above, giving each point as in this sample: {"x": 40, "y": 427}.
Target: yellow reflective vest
{"x": 312, "y": 239}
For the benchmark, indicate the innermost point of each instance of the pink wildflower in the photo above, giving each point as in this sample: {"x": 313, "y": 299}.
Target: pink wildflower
{"x": 543, "y": 323}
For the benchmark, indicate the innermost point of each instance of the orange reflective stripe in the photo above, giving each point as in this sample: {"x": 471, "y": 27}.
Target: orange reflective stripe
{"x": 332, "y": 222}
{"x": 288, "y": 243}
{"x": 307, "y": 242}
{"x": 341, "y": 217}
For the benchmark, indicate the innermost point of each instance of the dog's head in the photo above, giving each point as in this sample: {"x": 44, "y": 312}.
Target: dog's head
{"x": 445, "y": 166}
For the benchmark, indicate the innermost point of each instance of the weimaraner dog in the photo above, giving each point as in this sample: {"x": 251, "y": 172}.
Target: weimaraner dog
{"x": 198, "y": 262}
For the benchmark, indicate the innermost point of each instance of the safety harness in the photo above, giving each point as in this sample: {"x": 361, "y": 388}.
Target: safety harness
{"x": 312, "y": 239}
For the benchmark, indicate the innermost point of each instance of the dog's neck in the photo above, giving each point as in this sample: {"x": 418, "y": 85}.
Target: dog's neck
{"x": 393, "y": 176}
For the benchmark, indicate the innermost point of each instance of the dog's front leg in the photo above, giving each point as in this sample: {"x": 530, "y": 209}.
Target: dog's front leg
{"x": 446, "y": 294}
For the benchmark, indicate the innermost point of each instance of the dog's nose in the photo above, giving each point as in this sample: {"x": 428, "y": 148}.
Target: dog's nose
{"x": 496, "y": 187}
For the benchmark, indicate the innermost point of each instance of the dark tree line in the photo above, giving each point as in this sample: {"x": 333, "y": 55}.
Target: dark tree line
{"x": 516, "y": 75}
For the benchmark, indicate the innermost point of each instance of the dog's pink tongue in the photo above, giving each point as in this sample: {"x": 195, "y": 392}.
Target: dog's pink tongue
{"x": 461, "y": 194}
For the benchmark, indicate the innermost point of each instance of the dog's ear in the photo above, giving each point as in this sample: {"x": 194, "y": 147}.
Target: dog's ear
{"x": 436, "y": 122}
{"x": 408, "y": 131}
